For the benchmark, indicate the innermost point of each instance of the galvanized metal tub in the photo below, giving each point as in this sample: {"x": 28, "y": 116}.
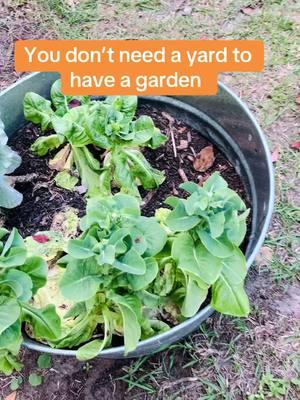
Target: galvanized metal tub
{"x": 227, "y": 122}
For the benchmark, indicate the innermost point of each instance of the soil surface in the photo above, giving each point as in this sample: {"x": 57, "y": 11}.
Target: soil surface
{"x": 43, "y": 199}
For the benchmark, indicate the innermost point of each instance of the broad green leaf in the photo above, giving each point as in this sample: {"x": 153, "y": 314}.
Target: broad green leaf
{"x": 228, "y": 294}
{"x": 9, "y": 159}
{"x": 219, "y": 247}
{"x": 92, "y": 349}
{"x": 123, "y": 174}
{"x": 139, "y": 282}
{"x": 117, "y": 239}
{"x": 38, "y": 110}
{"x": 236, "y": 227}
{"x": 216, "y": 224}
{"x": 23, "y": 280}
{"x": 66, "y": 180}
{"x": 105, "y": 179}
{"x": 148, "y": 176}
{"x": 138, "y": 240}
{"x": 89, "y": 350}
{"x": 131, "y": 263}
{"x": 215, "y": 182}
{"x": 9, "y": 363}
{"x": 44, "y": 321}
{"x": 165, "y": 279}
{"x": 194, "y": 297}
{"x": 172, "y": 201}
{"x": 194, "y": 258}
{"x": 3, "y": 232}
{"x": 196, "y": 203}
{"x": 14, "y": 240}
{"x": 148, "y": 299}
{"x": 132, "y": 330}
{"x": 82, "y": 248}
{"x": 234, "y": 267}
{"x": 10, "y": 284}
{"x": 46, "y": 143}
{"x": 125, "y": 104}
{"x": 107, "y": 255}
{"x": 189, "y": 187}
{"x": 79, "y": 332}
{"x": 37, "y": 269}
{"x": 11, "y": 336}
{"x": 89, "y": 178}
{"x": 179, "y": 221}
{"x": 61, "y": 102}
{"x": 143, "y": 128}
{"x": 129, "y": 205}
{"x": 9, "y": 312}
{"x": 229, "y": 299}
{"x": 9, "y": 197}
{"x": 15, "y": 257}
{"x": 154, "y": 234}
{"x": 81, "y": 280}
{"x": 93, "y": 163}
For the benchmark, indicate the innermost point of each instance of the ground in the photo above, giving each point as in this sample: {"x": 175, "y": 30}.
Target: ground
{"x": 227, "y": 358}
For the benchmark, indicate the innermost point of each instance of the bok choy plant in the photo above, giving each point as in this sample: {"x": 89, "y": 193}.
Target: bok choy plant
{"x": 20, "y": 279}
{"x": 209, "y": 227}
{"x": 107, "y": 269}
{"x": 9, "y": 161}
{"x": 84, "y": 126}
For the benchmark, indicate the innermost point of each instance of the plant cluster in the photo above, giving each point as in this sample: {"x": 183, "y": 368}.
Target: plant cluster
{"x": 9, "y": 161}
{"x": 125, "y": 275}
{"x": 126, "y": 271}
{"x": 85, "y": 126}
{"x": 21, "y": 276}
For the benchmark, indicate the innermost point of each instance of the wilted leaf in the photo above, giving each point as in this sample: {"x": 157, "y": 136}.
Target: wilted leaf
{"x": 40, "y": 238}
{"x": 248, "y": 10}
{"x": 187, "y": 10}
{"x": 11, "y": 396}
{"x": 275, "y": 155}
{"x": 295, "y": 145}
{"x": 183, "y": 144}
{"x": 264, "y": 256}
{"x": 204, "y": 159}
{"x": 59, "y": 161}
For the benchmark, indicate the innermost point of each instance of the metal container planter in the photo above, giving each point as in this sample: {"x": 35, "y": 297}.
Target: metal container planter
{"x": 227, "y": 123}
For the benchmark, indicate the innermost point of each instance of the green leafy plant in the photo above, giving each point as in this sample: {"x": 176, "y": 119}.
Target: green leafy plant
{"x": 210, "y": 225}
{"x": 107, "y": 268}
{"x": 35, "y": 380}
{"x": 81, "y": 125}
{"x": 20, "y": 278}
{"x": 125, "y": 272}
{"x": 9, "y": 161}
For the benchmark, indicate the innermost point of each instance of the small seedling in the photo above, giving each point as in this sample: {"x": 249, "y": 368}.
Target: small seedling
{"x": 35, "y": 379}
{"x": 44, "y": 361}
{"x": 16, "y": 383}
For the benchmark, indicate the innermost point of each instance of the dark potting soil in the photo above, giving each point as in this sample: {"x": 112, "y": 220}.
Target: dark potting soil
{"x": 43, "y": 199}
{"x": 188, "y": 143}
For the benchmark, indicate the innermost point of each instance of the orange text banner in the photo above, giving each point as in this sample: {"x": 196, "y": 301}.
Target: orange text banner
{"x": 141, "y": 67}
